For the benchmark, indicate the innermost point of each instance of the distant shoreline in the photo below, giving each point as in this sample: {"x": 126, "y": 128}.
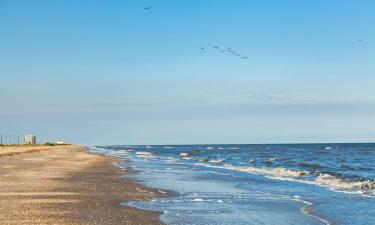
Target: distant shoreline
{"x": 66, "y": 185}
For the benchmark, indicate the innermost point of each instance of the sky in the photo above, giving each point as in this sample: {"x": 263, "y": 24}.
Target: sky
{"x": 110, "y": 72}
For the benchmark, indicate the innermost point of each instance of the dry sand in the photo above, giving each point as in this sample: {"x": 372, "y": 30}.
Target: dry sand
{"x": 64, "y": 185}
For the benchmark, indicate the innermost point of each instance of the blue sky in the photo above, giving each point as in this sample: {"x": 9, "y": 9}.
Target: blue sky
{"x": 109, "y": 72}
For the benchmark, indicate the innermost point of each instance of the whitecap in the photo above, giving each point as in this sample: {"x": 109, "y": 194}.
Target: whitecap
{"x": 215, "y": 161}
{"x": 145, "y": 154}
{"x": 163, "y": 192}
{"x": 269, "y": 171}
{"x": 274, "y": 159}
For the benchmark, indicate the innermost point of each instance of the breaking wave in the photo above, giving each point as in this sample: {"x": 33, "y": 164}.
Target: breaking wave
{"x": 366, "y": 187}
{"x": 268, "y": 171}
{"x": 145, "y": 154}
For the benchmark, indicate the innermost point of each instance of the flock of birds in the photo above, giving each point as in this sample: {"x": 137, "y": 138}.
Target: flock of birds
{"x": 227, "y": 50}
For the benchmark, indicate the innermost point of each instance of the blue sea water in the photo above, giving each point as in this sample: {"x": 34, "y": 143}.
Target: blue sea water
{"x": 256, "y": 184}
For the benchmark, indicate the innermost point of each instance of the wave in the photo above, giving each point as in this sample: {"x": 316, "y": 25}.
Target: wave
{"x": 98, "y": 148}
{"x": 187, "y": 158}
{"x": 197, "y": 200}
{"x": 307, "y": 210}
{"x": 215, "y": 160}
{"x": 123, "y": 151}
{"x": 366, "y": 187}
{"x": 269, "y": 171}
{"x": 274, "y": 159}
{"x": 145, "y": 154}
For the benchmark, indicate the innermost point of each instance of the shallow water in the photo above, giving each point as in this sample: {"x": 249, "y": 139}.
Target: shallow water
{"x": 257, "y": 184}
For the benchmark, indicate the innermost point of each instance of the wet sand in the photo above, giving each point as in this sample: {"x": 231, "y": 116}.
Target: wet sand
{"x": 65, "y": 185}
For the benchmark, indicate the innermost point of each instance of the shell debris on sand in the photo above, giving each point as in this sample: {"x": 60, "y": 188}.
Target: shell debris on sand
{"x": 65, "y": 185}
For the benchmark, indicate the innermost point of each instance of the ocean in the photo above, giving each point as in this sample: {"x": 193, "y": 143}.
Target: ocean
{"x": 280, "y": 184}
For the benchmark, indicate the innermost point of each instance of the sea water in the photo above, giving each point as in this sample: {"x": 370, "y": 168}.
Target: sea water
{"x": 256, "y": 184}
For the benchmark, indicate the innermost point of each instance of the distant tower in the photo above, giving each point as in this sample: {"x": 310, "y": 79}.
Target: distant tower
{"x": 30, "y": 139}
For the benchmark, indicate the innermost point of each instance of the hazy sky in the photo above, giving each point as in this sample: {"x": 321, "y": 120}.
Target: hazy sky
{"x": 110, "y": 72}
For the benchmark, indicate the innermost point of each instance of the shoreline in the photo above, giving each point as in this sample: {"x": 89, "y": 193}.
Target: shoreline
{"x": 67, "y": 185}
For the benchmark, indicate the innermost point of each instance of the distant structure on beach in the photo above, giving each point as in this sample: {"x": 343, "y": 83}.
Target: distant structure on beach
{"x": 30, "y": 139}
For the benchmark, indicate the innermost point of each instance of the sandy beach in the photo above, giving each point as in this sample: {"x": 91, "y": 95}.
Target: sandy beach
{"x": 65, "y": 185}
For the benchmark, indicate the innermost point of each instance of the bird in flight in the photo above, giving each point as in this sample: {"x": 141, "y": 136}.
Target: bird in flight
{"x": 360, "y": 41}
{"x": 202, "y": 48}
{"x": 148, "y": 8}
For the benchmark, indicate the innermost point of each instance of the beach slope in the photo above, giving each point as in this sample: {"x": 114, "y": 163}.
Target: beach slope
{"x": 65, "y": 185}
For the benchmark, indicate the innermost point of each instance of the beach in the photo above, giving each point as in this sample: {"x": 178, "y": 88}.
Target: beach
{"x": 66, "y": 185}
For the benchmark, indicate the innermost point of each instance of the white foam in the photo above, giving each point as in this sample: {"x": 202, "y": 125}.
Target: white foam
{"x": 184, "y": 154}
{"x": 367, "y": 186}
{"x": 325, "y": 180}
{"x": 282, "y": 172}
{"x": 305, "y": 210}
{"x": 215, "y": 160}
{"x": 124, "y": 151}
{"x": 163, "y": 192}
{"x": 364, "y": 188}
{"x": 98, "y": 148}
{"x": 274, "y": 159}
{"x": 145, "y": 154}
{"x": 197, "y": 200}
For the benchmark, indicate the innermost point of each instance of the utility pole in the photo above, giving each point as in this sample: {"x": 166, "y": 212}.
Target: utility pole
{"x": 18, "y": 139}
{"x": 1, "y": 138}
{"x": 10, "y": 139}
